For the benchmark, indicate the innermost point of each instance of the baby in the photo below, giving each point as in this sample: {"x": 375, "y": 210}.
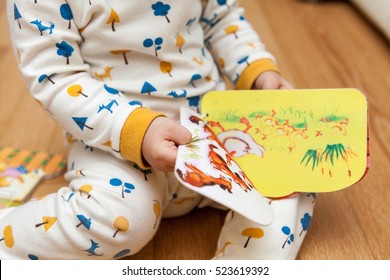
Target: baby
{"x": 114, "y": 74}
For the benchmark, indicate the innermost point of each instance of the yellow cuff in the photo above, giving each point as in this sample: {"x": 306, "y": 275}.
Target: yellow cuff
{"x": 133, "y": 133}
{"x": 249, "y": 75}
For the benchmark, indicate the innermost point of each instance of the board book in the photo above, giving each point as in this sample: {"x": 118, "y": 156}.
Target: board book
{"x": 282, "y": 142}
{"x": 21, "y": 170}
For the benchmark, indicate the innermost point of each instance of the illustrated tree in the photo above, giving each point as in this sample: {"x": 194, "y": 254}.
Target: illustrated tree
{"x": 156, "y": 43}
{"x": 223, "y": 2}
{"x": 180, "y": 41}
{"x": 305, "y": 222}
{"x": 114, "y": 18}
{"x": 126, "y": 187}
{"x": 47, "y": 223}
{"x": 86, "y": 222}
{"x": 111, "y": 90}
{"x": 148, "y": 88}
{"x": 161, "y": 9}
{"x": 120, "y": 224}
{"x": 81, "y": 122}
{"x": 44, "y": 77}
{"x": 17, "y": 15}
{"x": 8, "y": 237}
{"x": 66, "y": 14}
{"x": 194, "y": 78}
{"x": 252, "y": 233}
{"x": 166, "y": 67}
{"x": 123, "y": 53}
{"x": 65, "y": 50}
{"x": 194, "y": 102}
{"x": 156, "y": 211}
{"x": 290, "y": 236}
{"x": 86, "y": 189}
{"x": 243, "y": 60}
{"x": 232, "y": 29}
{"x": 76, "y": 90}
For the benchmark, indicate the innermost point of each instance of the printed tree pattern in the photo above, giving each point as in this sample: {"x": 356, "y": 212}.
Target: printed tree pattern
{"x": 76, "y": 90}
{"x": 123, "y": 53}
{"x": 65, "y": 50}
{"x": 161, "y": 9}
{"x": 252, "y": 233}
{"x": 305, "y": 222}
{"x": 47, "y": 223}
{"x": 156, "y": 43}
{"x": 99, "y": 97}
{"x": 290, "y": 236}
{"x": 8, "y": 237}
{"x": 114, "y": 18}
{"x": 66, "y": 14}
{"x": 166, "y": 67}
{"x": 126, "y": 187}
{"x": 156, "y": 211}
{"x": 121, "y": 224}
{"x": 17, "y": 16}
{"x": 180, "y": 41}
{"x": 86, "y": 189}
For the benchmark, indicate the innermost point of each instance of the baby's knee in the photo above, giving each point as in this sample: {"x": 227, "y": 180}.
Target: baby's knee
{"x": 243, "y": 239}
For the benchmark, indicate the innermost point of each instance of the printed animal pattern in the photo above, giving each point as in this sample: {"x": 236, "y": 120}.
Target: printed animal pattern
{"x": 282, "y": 239}
{"x": 100, "y": 64}
{"x": 76, "y": 216}
{"x": 97, "y": 68}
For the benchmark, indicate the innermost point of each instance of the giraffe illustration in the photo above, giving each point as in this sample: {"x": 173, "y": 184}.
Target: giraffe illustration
{"x": 105, "y": 75}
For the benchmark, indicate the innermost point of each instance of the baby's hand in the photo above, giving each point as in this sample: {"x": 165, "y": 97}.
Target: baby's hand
{"x": 159, "y": 147}
{"x": 271, "y": 80}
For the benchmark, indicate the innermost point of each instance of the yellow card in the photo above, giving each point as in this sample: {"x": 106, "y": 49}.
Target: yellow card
{"x": 290, "y": 141}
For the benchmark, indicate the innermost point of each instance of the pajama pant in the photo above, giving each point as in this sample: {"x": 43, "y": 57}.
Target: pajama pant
{"x": 112, "y": 209}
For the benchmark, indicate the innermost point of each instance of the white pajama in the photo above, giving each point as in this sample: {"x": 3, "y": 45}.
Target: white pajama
{"x": 111, "y": 209}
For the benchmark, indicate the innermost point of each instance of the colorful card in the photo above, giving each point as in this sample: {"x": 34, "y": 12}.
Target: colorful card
{"x": 289, "y": 141}
{"x": 204, "y": 166}
{"x": 22, "y": 170}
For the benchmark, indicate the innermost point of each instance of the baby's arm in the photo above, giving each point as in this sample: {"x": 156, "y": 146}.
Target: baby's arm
{"x": 238, "y": 48}
{"x": 59, "y": 78}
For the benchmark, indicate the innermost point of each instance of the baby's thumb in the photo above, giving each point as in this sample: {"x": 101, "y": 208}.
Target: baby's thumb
{"x": 181, "y": 135}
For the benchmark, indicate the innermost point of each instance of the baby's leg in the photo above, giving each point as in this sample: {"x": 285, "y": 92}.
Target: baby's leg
{"x": 109, "y": 210}
{"x": 243, "y": 239}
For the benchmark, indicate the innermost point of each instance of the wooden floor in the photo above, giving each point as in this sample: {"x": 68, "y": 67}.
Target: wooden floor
{"x": 328, "y": 45}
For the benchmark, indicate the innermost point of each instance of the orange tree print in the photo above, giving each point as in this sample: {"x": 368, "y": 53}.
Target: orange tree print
{"x": 114, "y": 18}
{"x": 252, "y": 233}
{"x": 8, "y": 237}
{"x": 120, "y": 224}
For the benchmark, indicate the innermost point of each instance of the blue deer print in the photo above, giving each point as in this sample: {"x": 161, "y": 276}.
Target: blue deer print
{"x": 42, "y": 27}
{"x": 108, "y": 106}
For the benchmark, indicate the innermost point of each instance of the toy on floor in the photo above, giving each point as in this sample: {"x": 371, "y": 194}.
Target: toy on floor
{"x": 22, "y": 170}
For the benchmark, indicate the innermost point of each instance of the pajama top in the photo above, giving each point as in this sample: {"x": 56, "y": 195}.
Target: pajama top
{"x": 104, "y": 69}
